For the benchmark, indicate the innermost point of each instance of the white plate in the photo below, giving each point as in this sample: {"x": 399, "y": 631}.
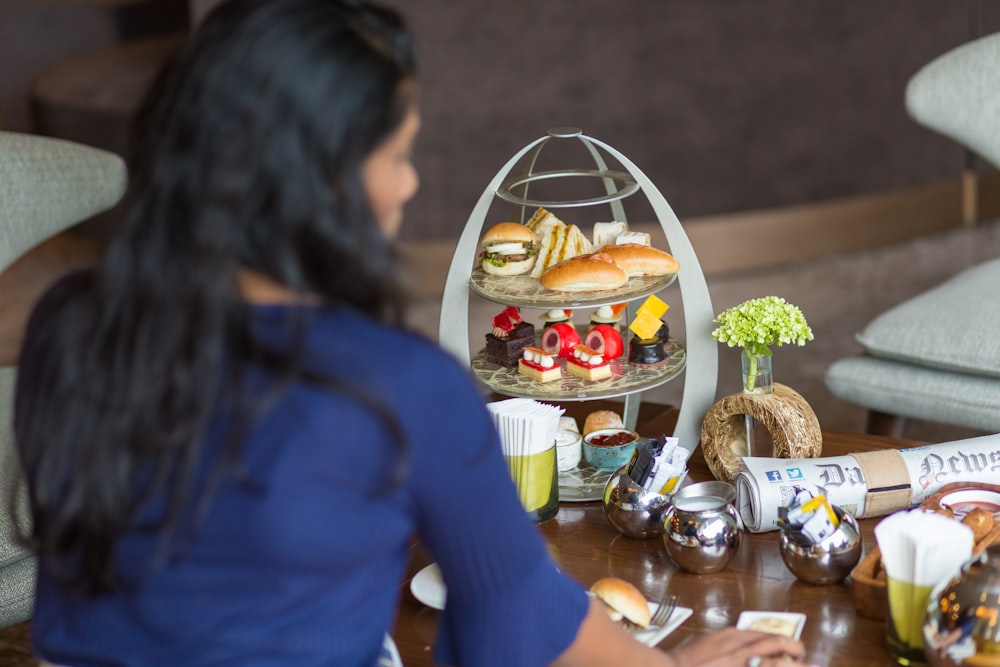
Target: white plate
{"x": 657, "y": 635}
{"x": 748, "y": 618}
{"x": 428, "y": 587}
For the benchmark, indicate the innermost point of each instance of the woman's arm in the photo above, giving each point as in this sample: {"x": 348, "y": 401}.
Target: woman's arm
{"x": 602, "y": 641}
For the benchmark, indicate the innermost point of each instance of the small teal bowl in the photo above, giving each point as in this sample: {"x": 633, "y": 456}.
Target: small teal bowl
{"x": 609, "y": 457}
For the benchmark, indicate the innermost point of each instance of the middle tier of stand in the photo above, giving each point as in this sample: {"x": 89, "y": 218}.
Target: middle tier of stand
{"x": 625, "y": 379}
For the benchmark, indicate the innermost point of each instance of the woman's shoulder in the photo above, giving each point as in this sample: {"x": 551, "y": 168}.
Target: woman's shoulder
{"x": 348, "y": 341}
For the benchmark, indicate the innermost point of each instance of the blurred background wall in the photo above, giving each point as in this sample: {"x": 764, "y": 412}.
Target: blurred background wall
{"x": 728, "y": 107}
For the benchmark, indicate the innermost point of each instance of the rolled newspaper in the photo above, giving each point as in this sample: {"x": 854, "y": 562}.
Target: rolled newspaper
{"x": 866, "y": 484}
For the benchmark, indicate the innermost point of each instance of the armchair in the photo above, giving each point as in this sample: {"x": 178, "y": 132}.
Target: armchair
{"x": 936, "y": 357}
{"x": 46, "y": 186}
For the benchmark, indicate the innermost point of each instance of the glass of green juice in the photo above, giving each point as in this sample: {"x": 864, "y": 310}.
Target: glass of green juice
{"x": 904, "y": 626}
{"x": 536, "y": 477}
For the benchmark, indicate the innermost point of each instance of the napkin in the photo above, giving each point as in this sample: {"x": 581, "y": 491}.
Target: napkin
{"x": 919, "y": 549}
{"x": 527, "y": 430}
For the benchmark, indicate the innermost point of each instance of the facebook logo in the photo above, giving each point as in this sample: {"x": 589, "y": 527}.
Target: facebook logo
{"x": 794, "y": 473}
{"x": 774, "y": 475}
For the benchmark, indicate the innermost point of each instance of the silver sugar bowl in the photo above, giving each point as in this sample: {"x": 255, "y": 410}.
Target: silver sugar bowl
{"x": 828, "y": 561}
{"x": 962, "y": 620}
{"x": 702, "y": 529}
{"x": 631, "y": 509}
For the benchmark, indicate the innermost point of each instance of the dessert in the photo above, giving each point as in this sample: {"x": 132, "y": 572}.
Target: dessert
{"x": 538, "y": 365}
{"x": 653, "y": 351}
{"x": 556, "y": 315}
{"x": 596, "y": 271}
{"x": 605, "y": 340}
{"x": 557, "y": 241}
{"x": 588, "y": 364}
{"x": 648, "y": 352}
{"x": 647, "y": 321}
{"x": 559, "y": 339}
{"x": 623, "y": 600}
{"x": 608, "y": 315}
{"x": 510, "y": 335}
{"x": 509, "y": 249}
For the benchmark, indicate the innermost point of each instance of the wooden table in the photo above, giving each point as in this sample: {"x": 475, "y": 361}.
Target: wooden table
{"x": 587, "y": 547}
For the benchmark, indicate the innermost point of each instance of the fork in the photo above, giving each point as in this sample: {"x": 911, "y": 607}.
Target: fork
{"x": 663, "y": 611}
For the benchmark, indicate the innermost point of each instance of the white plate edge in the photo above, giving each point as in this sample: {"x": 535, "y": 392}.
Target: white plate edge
{"x": 429, "y": 589}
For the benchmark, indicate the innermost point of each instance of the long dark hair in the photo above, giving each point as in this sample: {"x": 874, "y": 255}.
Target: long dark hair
{"x": 249, "y": 155}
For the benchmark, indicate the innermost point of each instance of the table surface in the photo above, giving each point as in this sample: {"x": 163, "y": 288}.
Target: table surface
{"x": 587, "y": 547}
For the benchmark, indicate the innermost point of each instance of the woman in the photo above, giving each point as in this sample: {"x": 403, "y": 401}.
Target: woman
{"x": 229, "y": 439}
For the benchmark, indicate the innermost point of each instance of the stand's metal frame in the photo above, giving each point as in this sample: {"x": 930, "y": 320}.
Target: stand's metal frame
{"x": 702, "y": 371}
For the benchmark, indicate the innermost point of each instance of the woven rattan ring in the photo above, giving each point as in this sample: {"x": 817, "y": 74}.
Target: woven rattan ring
{"x": 792, "y": 424}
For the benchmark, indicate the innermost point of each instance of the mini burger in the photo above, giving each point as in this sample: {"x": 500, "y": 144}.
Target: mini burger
{"x": 509, "y": 249}
{"x": 624, "y": 601}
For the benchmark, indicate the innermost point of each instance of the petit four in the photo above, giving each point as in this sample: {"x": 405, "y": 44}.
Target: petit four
{"x": 608, "y": 315}
{"x": 650, "y": 344}
{"x": 558, "y": 339}
{"x": 588, "y": 364}
{"x": 648, "y": 352}
{"x": 604, "y": 339}
{"x": 538, "y": 365}
{"x": 556, "y": 315}
{"x": 510, "y": 335}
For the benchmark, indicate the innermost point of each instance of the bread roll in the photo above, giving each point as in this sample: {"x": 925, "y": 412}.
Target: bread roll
{"x": 981, "y": 521}
{"x": 641, "y": 260}
{"x": 585, "y": 272}
{"x": 602, "y": 419}
{"x": 624, "y": 598}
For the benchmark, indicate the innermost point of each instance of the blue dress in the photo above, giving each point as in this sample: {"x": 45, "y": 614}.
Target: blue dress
{"x": 299, "y": 559}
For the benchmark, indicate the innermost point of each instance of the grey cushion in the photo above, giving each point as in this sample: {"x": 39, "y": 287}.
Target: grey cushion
{"x": 955, "y": 326}
{"x": 10, "y": 550}
{"x": 17, "y": 590}
{"x": 913, "y": 391}
{"x": 48, "y": 185}
{"x": 958, "y": 95}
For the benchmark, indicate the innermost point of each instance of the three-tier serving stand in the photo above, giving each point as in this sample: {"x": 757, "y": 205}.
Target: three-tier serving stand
{"x": 698, "y": 356}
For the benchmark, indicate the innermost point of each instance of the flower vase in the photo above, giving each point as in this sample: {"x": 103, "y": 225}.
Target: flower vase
{"x": 757, "y": 379}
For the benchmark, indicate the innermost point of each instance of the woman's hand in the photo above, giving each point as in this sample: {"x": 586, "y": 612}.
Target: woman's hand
{"x": 740, "y": 648}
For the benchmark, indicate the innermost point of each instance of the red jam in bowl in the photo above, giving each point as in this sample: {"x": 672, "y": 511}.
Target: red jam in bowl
{"x": 612, "y": 439}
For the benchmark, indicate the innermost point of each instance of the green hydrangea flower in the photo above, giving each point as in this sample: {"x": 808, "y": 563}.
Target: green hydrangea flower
{"x": 757, "y": 324}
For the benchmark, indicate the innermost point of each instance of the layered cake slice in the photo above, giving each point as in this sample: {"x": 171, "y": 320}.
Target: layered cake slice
{"x": 510, "y": 335}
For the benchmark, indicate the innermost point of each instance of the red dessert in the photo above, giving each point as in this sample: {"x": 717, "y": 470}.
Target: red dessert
{"x": 606, "y": 341}
{"x": 510, "y": 335}
{"x": 538, "y": 365}
{"x": 588, "y": 364}
{"x": 558, "y": 339}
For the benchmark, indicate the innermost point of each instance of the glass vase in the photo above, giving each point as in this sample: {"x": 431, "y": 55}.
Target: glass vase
{"x": 757, "y": 379}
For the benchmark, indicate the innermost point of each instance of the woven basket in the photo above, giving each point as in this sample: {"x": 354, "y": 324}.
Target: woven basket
{"x": 868, "y": 576}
